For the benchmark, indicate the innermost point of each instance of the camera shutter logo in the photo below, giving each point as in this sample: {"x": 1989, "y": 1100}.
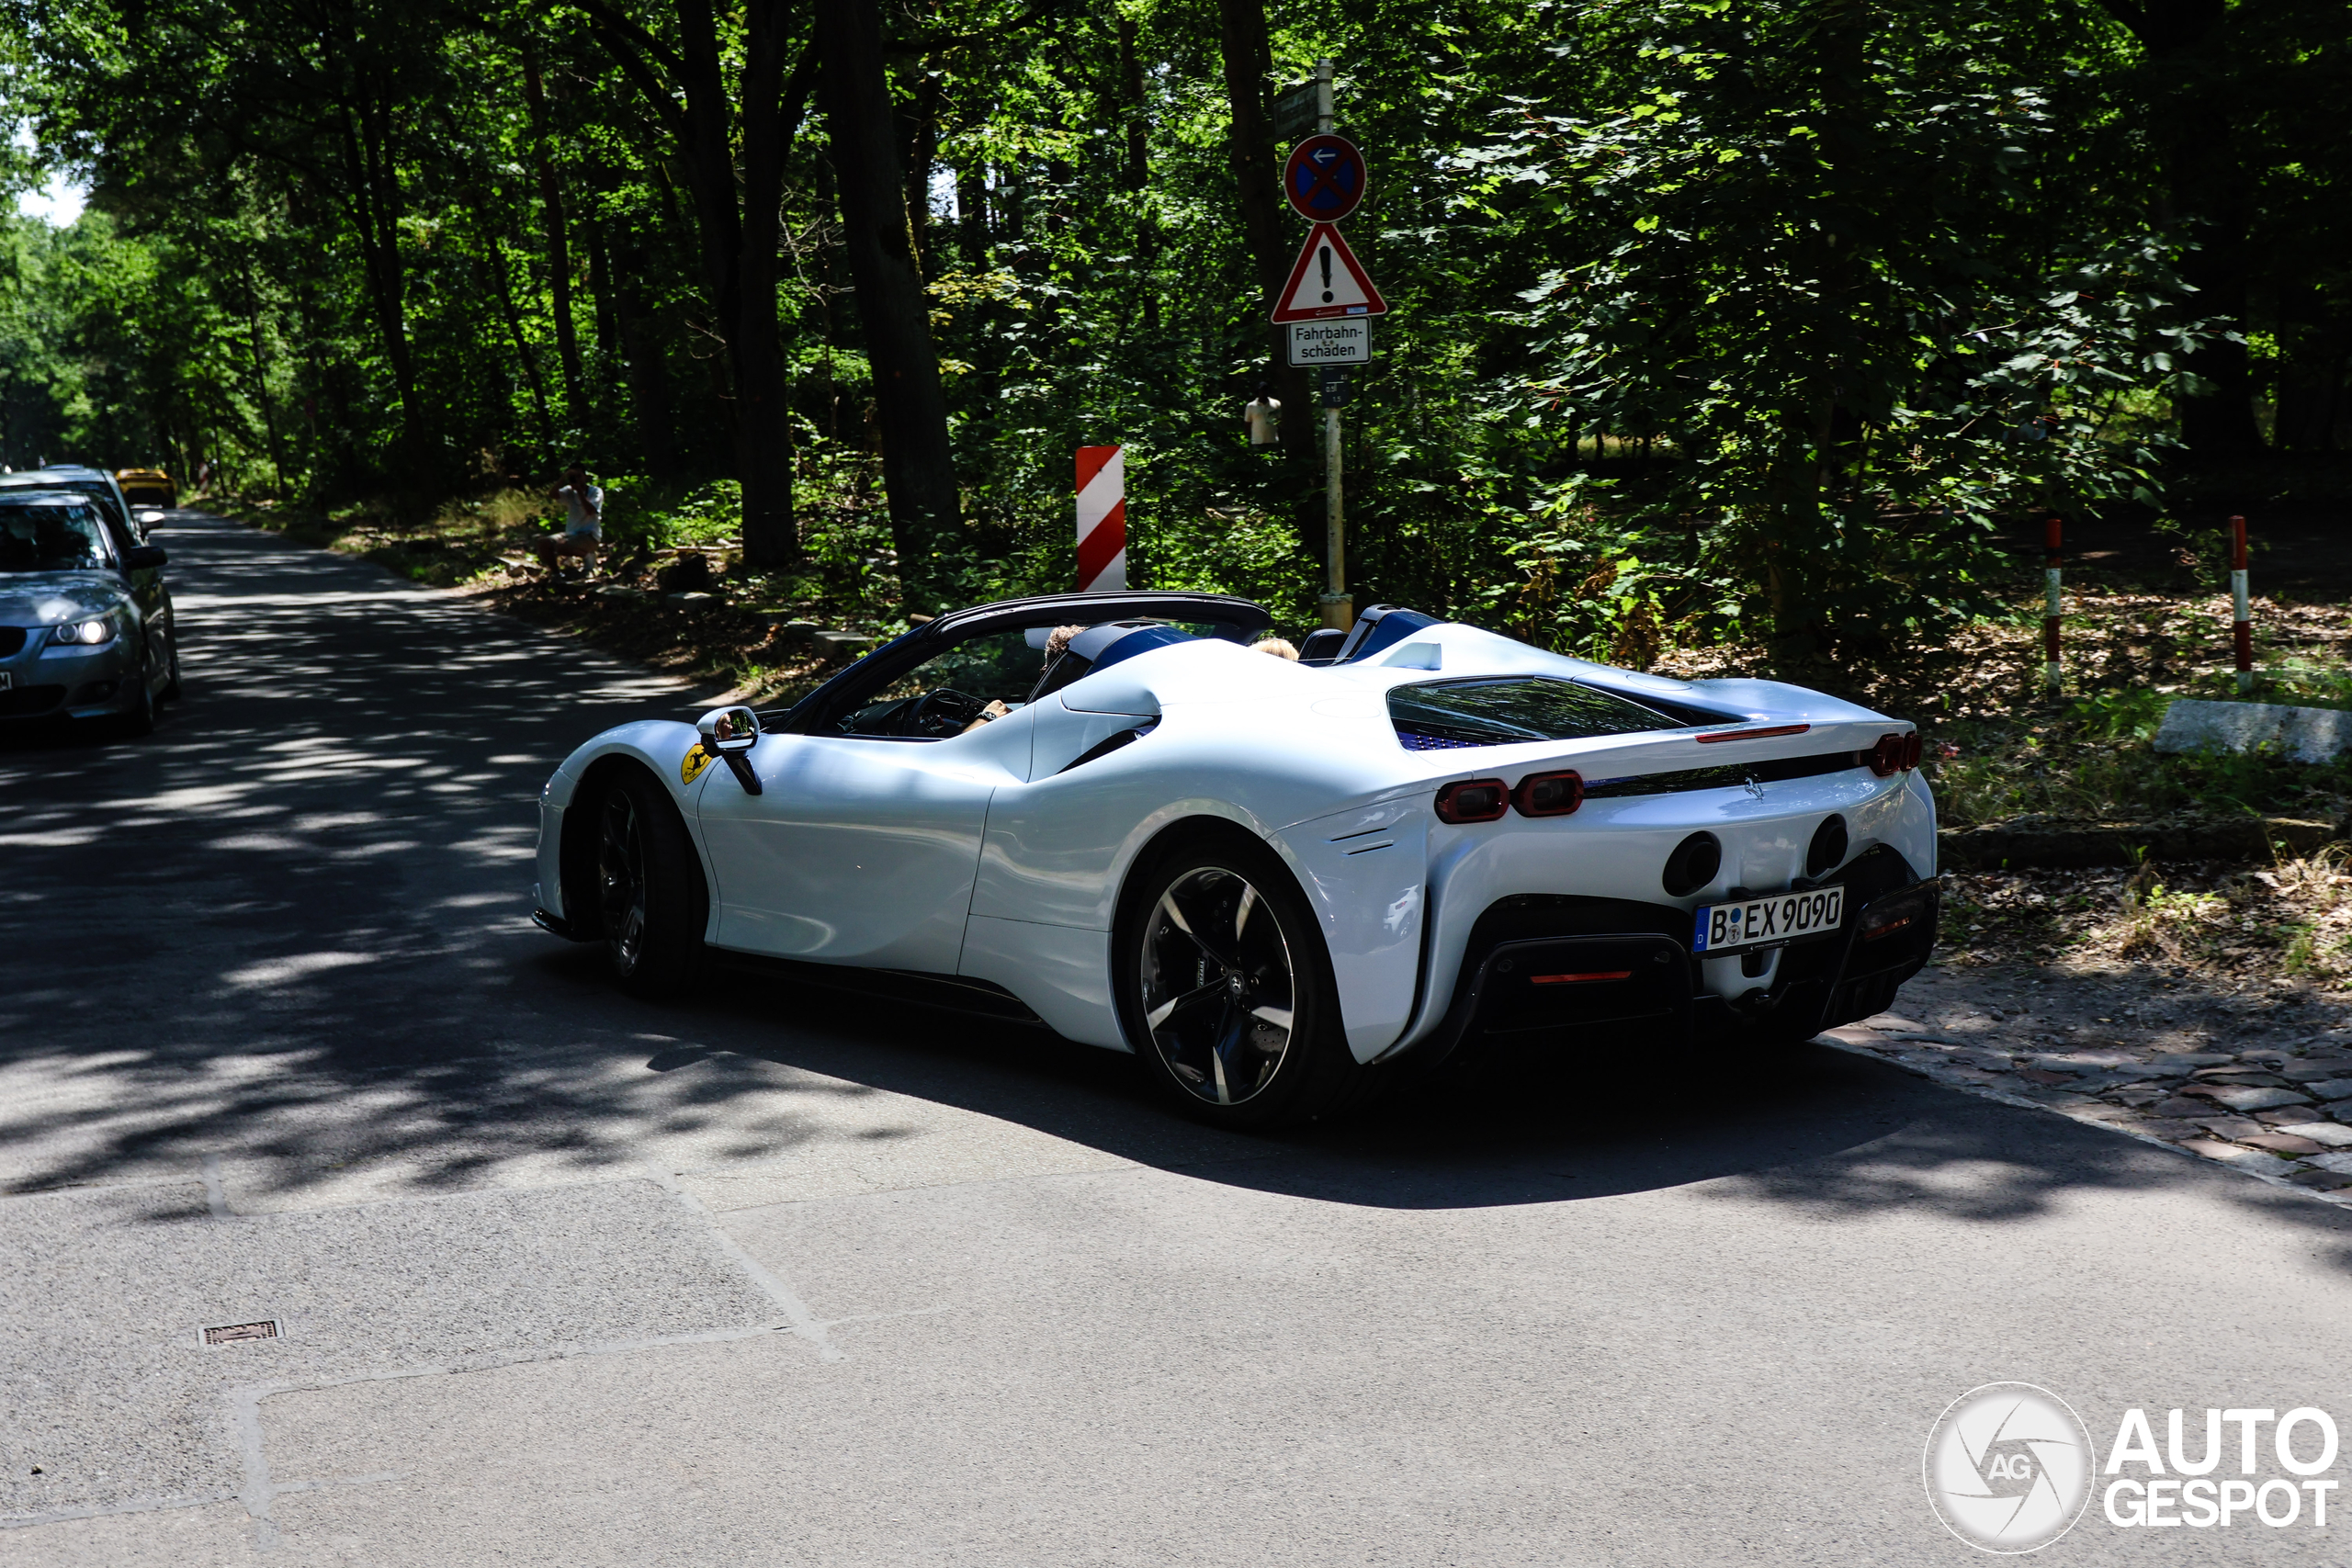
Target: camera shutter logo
{"x": 2008, "y": 1467}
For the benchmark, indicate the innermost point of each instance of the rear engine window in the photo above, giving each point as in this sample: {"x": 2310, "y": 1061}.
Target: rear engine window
{"x": 1447, "y": 714}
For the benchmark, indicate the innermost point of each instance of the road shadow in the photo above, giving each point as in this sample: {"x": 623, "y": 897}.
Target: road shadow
{"x": 1809, "y": 1126}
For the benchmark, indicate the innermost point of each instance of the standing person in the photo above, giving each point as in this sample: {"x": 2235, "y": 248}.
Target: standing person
{"x": 584, "y": 525}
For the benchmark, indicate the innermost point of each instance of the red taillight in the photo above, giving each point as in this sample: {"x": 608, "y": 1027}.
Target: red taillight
{"x": 1885, "y": 927}
{"x": 1894, "y": 754}
{"x": 1472, "y": 800}
{"x": 1549, "y": 795}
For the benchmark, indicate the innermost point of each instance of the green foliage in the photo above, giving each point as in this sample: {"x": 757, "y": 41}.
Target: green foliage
{"x": 662, "y": 512}
{"x": 1708, "y": 316}
{"x": 2097, "y": 764}
{"x": 1819, "y": 264}
{"x": 2120, "y": 713}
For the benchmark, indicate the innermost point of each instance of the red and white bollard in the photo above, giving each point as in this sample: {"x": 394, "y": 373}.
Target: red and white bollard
{"x": 2241, "y": 627}
{"x": 2050, "y": 605}
{"x": 1102, "y": 518}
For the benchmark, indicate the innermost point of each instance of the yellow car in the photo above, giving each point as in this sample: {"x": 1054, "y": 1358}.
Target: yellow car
{"x": 147, "y": 487}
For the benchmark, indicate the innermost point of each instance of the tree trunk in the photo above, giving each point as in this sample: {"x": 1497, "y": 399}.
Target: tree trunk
{"x": 600, "y": 286}
{"x": 1139, "y": 172}
{"x": 648, "y": 379}
{"x": 972, "y": 216}
{"x": 261, "y": 393}
{"x": 524, "y": 358}
{"x": 919, "y": 127}
{"x": 567, "y": 337}
{"x": 918, "y": 463}
{"x": 762, "y": 379}
{"x": 2209, "y": 196}
{"x": 374, "y": 208}
{"x": 738, "y": 249}
{"x": 1249, "y": 67}
{"x": 649, "y": 389}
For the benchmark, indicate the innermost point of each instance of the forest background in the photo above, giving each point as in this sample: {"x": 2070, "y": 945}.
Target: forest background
{"x": 1709, "y": 318}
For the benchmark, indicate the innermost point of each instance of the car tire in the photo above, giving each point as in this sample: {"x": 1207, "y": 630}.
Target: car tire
{"x": 1233, "y": 1014}
{"x": 141, "y": 718}
{"x": 648, "y": 890}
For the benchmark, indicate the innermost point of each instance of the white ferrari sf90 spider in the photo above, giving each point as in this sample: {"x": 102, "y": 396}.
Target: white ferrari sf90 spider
{"x": 1274, "y": 880}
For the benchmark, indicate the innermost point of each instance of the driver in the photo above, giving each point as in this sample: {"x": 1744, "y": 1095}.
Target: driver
{"x": 1056, "y": 642}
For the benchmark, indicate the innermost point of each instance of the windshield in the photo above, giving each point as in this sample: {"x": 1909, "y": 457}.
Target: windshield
{"x": 53, "y": 538}
{"x": 98, "y": 490}
{"x": 945, "y": 694}
{"x": 1506, "y": 712}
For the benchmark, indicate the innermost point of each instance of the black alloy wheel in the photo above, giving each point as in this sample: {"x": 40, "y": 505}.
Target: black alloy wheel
{"x": 1226, "y": 989}
{"x": 1219, "y": 993}
{"x": 621, "y": 876}
{"x": 649, "y": 887}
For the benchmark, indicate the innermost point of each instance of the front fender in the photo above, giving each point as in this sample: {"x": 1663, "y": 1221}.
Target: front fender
{"x": 657, "y": 745}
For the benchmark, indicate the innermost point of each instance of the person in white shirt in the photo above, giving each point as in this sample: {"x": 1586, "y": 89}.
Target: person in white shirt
{"x": 583, "y": 526}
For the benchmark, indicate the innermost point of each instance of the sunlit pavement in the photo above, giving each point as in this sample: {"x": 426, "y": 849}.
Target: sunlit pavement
{"x": 765, "y": 1277}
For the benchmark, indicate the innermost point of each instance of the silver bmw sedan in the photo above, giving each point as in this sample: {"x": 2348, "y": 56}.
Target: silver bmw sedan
{"x": 80, "y": 637}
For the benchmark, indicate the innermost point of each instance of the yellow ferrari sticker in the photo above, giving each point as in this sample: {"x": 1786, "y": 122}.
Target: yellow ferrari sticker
{"x": 697, "y": 761}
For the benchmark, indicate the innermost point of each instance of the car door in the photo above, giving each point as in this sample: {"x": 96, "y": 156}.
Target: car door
{"x": 855, "y": 850}
{"x": 861, "y": 847}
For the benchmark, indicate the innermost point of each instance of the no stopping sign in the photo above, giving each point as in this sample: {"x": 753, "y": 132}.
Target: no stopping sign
{"x": 1324, "y": 178}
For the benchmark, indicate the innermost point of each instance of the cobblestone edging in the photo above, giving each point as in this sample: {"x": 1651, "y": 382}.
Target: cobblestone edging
{"x": 2283, "y": 1115}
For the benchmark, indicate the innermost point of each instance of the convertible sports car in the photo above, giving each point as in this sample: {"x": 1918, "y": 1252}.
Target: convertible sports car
{"x": 1275, "y": 881}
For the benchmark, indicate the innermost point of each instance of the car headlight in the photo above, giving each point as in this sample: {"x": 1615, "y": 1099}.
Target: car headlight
{"x": 82, "y": 634}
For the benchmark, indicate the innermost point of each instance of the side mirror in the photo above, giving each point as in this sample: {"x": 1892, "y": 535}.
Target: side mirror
{"x": 728, "y": 730}
{"x": 730, "y": 734}
{"x": 144, "y": 558}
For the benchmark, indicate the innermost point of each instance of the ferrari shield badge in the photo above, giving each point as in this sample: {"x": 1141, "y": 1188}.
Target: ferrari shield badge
{"x": 696, "y": 759}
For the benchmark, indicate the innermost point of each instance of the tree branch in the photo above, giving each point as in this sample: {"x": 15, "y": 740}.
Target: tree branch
{"x": 2134, "y": 19}
{"x": 630, "y": 46}
{"x": 1022, "y": 23}
{"x": 604, "y": 16}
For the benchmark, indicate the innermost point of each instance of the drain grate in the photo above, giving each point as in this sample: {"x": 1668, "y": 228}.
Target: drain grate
{"x": 265, "y": 1329}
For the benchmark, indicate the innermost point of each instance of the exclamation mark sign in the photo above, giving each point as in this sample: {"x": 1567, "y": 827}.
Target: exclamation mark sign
{"x": 1327, "y": 274}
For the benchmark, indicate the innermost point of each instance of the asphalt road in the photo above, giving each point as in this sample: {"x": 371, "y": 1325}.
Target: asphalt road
{"x": 565, "y": 1279}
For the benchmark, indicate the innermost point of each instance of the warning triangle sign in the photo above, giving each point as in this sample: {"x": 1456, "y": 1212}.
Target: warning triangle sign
{"x": 1327, "y": 281}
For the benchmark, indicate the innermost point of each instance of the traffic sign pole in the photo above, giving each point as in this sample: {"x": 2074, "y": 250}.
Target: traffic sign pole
{"x": 1328, "y": 302}
{"x": 1339, "y": 608}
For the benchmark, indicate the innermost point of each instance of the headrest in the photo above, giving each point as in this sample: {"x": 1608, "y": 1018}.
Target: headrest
{"x": 1106, "y": 645}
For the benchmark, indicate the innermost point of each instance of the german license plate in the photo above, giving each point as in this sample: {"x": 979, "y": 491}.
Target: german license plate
{"x": 1768, "y": 923}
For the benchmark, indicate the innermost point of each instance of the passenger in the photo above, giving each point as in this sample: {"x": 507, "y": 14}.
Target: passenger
{"x": 1281, "y": 648}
